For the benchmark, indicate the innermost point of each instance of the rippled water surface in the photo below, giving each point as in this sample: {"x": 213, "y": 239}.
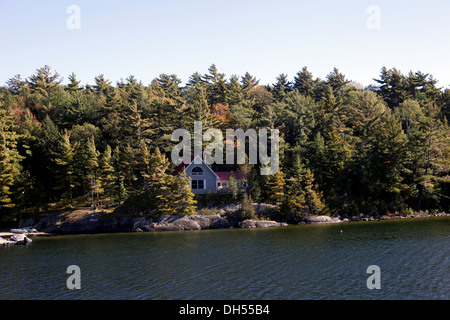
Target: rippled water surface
{"x": 299, "y": 262}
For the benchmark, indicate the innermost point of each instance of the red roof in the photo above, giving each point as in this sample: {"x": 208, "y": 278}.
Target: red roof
{"x": 181, "y": 167}
{"x": 223, "y": 176}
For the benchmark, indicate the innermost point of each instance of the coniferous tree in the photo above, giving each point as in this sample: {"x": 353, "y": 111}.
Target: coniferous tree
{"x": 44, "y": 80}
{"x": 9, "y": 158}
{"x": 107, "y": 174}
{"x": 16, "y": 85}
{"x": 281, "y": 88}
{"x": 254, "y": 190}
{"x": 313, "y": 197}
{"x": 383, "y": 148}
{"x": 304, "y": 83}
{"x": 233, "y": 186}
{"x": 92, "y": 166}
{"x": 246, "y": 210}
{"x": 234, "y": 91}
{"x": 277, "y": 188}
{"x": 194, "y": 86}
{"x": 66, "y": 160}
{"x": 74, "y": 84}
{"x": 102, "y": 85}
{"x": 337, "y": 82}
{"x": 217, "y": 86}
{"x": 435, "y": 162}
{"x": 392, "y": 85}
{"x": 248, "y": 82}
{"x": 119, "y": 174}
{"x": 295, "y": 203}
{"x": 43, "y": 168}
{"x": 184, "y": 200}
{"x": 163, "y": 185}
{"x": 170, "y": 84}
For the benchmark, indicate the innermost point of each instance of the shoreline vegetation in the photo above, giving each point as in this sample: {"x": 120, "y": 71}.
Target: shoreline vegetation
{"x": 84, "y": 221}
{"x": 344, "y": 149}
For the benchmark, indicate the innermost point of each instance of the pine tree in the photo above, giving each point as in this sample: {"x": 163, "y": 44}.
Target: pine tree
{"x": 166, "y": 195}
{"x": 66, "y": 160}
{"x": 233, "y": 186}
{"x": 248, "y": 82}
{"x": 194, "y": 86}
{"x": 217, "y": 86}
{"x": 74, "y": 84}
{"x": 122, "y": 191}
{"x": 144, "y": 159}
{"x": 16, "y": 85}
{"x": 43, "y": 168}
{"x": 200, "y": 110}
{"x": 170, "y": 84}
{"x": 184, "y": 202}
{"x": 313, "y": 197}
{"x": 165, "y": 116}
{"x": 133, "y": 126}
{"x": 435, "y": 160}
{"x": 9, "y": 158}
{"x": 388, "y": 159}
{"x": 162, "y": 185}
{"x": 246, "y": 210}
{"x": 254, "y": 186}
{"x": 304, "y": 83}
{"x": 102, "y": 85}
{"x": 295, "y": 191}
{"x": 277, "y": 188}
{"x": 159, "y": 165}
{"x": 107, "y": 174}
{"x": 92, "y": 166}
{"x": 112, "y": 116}
{"x": 337, "y": 82}
{"x": 134, "y": 90}
{"x": 234, "y": 91}
{"x": 119, "y": 175}
{"x": 392, "y": 87}
{"x": 129, "y": 166}
{"x": 281, "y": 88}
{"x": 44, "y": 80}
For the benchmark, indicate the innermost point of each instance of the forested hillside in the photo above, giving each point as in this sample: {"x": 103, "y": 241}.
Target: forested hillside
{"x": 343, "y": 148}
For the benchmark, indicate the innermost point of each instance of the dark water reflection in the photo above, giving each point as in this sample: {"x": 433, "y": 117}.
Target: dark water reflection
{"x": 300, "y": 262}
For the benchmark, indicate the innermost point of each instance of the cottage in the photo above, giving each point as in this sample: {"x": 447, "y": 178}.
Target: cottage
{"x": 204, "y": 179}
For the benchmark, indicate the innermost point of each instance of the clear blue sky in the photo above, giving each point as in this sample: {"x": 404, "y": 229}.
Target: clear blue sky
{"x": 265, "y": 38}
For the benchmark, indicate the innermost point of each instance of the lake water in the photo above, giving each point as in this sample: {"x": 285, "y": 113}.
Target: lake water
{"x": 296, "y": 262}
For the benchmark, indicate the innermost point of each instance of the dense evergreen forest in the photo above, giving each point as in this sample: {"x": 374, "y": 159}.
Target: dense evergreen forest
{"x": 343, "y": 148}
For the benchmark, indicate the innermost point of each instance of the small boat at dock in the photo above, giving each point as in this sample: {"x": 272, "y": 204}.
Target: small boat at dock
{"x": 17, "y": 236}
{"x": 20, "y": 238}
{"x": 23, "y": 230}
{"x": 6, "y": 243}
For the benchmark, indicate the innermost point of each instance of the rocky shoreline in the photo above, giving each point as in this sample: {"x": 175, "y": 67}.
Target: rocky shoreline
{"x": 372, "y": 217}
{"x": 87, "y": 223}
{"x": 84, "y": 221}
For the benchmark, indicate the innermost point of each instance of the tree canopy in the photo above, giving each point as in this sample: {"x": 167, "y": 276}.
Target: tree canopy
{"x": 343, "y": 148}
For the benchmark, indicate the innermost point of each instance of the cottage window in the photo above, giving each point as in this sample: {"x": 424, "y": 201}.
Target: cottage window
{"x": 197, "y": 171}
{"x": 198, "y": 184}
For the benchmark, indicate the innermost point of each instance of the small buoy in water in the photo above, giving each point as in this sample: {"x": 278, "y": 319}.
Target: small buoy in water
{"x": 341, "y": 231}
